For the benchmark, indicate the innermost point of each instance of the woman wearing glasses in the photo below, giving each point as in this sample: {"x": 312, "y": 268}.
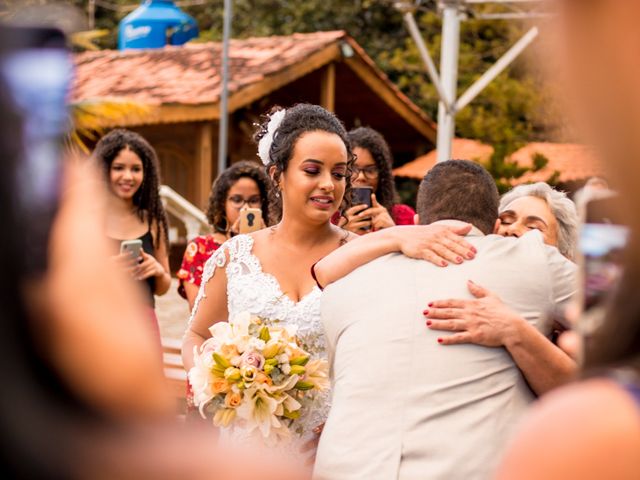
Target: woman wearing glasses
{"x": 373, "y": 168}
{"x": 244, "y": 184}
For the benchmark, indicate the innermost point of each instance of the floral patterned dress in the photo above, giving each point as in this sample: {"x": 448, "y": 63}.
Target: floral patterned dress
{"x": 198, "y": 251}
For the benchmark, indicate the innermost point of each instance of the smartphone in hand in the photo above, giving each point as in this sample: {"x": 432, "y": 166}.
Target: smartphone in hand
{"x": 603, "y": 238}
{"x": 36, "y": 72}
{"x": 133, "y": 248}
{"x": 250, "y": 220}
{"x": 362, "y": 196}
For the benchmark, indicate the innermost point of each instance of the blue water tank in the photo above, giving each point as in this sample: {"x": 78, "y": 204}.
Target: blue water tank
{"x": 154, "y": 24}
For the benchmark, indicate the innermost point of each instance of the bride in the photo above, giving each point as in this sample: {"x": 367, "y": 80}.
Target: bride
{"x": 267, "y": 273}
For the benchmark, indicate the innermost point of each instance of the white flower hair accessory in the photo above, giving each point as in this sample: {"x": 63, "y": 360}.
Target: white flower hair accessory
{"x": 264, "y": 145}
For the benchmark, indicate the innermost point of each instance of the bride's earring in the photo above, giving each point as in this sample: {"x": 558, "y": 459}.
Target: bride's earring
{"x": 276, "y": 182}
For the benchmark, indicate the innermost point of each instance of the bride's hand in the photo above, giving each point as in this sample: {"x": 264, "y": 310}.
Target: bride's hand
{"x": 312, "y": 444}
{"x": 438, "y": 244}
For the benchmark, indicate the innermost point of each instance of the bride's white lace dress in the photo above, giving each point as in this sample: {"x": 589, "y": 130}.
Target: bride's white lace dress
{"x": 249, "y": 289}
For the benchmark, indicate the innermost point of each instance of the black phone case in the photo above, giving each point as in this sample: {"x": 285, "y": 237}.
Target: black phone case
{"x": 362, "y": 196}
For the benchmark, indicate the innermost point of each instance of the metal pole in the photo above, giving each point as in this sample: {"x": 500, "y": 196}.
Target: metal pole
{"x": 426, "y": 57}
{"x": 495, "y": 69}
{"x": 449, "y": 76}
{"x": 224, "y": 114}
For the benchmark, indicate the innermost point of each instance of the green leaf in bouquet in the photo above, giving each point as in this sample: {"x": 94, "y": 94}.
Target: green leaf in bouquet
{"x": 271, "y": 361}
{"x": 221, "y": 361}
{"x": 277, "y": 375}
{"x": 299, "y": 360}
{"x": 304, "y": 386}
{"x": 298, "y": 370}
{"x": 264, "y": 334}
{"x": 218, "y": 371}
{"x": 291, "y": 415}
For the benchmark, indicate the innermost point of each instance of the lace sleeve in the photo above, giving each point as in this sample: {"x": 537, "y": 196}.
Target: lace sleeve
{"x": 218, "y": 259}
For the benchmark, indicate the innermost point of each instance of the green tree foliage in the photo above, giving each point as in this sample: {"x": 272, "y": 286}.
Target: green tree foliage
{"x": 505, "y": 171}
{"x": 369, "y": 21}
{"x": 509, "y": 113}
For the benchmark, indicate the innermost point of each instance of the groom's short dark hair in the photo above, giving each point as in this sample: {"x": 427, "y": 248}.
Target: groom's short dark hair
{"x": 459, "y": 190}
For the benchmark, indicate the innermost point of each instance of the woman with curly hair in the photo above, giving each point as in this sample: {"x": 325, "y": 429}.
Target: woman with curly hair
{"x": 242, "y": 184}
{"x": 373, "y": 169}
{"x": 268, "y": 273}
{"x": 134, "y": 208}
{"x": 308, "y": 155}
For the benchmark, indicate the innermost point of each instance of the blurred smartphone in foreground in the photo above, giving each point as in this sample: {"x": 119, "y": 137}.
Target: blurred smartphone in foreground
{"x": 603, "y": 238}
{"x": 250, "y": 220}
{"x": 36, "y": 72}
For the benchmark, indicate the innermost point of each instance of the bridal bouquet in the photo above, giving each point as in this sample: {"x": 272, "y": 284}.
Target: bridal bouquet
{"x": 253, "y": 374}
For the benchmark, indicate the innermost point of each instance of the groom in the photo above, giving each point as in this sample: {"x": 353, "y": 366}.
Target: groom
{"x": 403, "y": 406}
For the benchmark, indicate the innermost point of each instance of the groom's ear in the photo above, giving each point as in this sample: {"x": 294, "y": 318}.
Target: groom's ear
{"x": 416, "y": 219}
{"x": 496, "y": 227}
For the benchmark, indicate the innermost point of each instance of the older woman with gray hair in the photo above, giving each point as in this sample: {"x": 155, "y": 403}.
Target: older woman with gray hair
{"x": 539, "y": 207}
{"x": 487, "y": 321}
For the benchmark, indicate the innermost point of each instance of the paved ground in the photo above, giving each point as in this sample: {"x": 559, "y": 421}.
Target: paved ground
{"x": 173, "y": 312}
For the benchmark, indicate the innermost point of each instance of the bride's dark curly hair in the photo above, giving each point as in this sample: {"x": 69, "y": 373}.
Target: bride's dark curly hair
{"x": 299, "y": 119}
{"x": 146, "y": 200}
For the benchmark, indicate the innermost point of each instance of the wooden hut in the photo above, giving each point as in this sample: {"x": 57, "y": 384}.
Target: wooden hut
{"x": 180, "y": 86}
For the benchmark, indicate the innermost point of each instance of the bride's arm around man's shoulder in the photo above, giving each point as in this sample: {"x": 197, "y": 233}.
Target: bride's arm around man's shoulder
{"x": 437, "y": 244}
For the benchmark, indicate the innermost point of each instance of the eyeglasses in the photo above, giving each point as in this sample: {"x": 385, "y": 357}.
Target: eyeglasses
{"x": 238, "y": 201}
{"x": 370, "y": 172}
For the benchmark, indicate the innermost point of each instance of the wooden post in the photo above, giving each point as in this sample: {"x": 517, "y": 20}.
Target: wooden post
{"x": 91, "y": 14}
{"x": 204, "y": 176}
{"x": 328, "y": 87}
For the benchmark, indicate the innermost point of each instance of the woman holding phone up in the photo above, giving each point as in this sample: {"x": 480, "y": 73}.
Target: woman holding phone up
{"x": 372, "y": 170}
{"x": 134, "y": 209}
{"x": 244, "y": 184}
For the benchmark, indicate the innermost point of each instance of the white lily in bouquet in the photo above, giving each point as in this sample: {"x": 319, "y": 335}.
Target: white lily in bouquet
{"x": 253, "y": 374}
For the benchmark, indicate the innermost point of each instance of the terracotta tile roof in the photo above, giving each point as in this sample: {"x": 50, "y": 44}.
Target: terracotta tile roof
{"x": 573, "y": 161}
{"x": 189, "y": 74}
{"x": 462, "y": 148}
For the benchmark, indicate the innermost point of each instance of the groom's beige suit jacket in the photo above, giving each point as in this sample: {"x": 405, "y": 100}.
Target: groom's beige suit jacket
{"x": 405, "y": 407}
